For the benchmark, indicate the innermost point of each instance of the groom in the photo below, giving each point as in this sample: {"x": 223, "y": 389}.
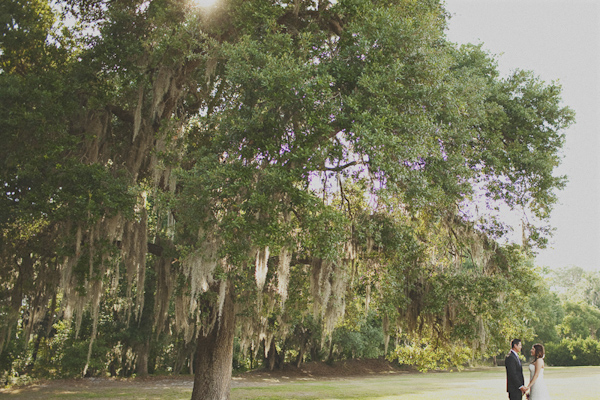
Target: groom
{"x": 515, "y": 383}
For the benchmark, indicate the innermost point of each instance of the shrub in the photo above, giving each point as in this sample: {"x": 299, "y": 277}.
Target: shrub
{"x": 573, "y": 352}
{"x": 425, "y": 356}
{"x": 363, "y": 341}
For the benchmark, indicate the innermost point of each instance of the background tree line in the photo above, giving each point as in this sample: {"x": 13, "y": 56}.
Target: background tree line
{"x": 259, "y": 182}
{"x": 567, "y": 319}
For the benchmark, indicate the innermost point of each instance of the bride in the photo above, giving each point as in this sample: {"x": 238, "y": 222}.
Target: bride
{"x": 537, "y": 386}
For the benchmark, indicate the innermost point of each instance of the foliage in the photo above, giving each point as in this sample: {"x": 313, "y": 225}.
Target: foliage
{"x": 571, "y": 352}
{"x": 362, "y": 341}
{"x": 293, "y": 154}
{"x": 576, "y": 285}
{"x": 566, "y": 318}
{"x": 548, "y": 312}
{"x": 426, "y": 356}
{"x": 581, "y": 321}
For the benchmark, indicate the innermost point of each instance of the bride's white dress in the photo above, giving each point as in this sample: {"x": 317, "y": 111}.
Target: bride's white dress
{"x": 539, "y": 391}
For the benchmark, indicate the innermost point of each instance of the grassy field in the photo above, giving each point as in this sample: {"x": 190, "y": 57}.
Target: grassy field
{"x": 581, "y": 383}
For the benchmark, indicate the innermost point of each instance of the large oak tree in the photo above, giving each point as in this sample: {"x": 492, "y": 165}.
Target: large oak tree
{"x": 254, "y": 141}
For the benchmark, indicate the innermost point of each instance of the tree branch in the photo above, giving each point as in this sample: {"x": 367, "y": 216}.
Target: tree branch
{"x": 122, "y": 114}
{"x": 340, "y": 167}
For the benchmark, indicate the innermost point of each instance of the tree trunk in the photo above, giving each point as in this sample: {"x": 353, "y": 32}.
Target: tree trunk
{"x": 214, "y": 356}
{"x": 281, "y": 357}
{"x": 300, "y": 358}
{"x": 272, "y": 355}
{"x": 330, "y": 356}
{"x": 143, "y": 354}
{"x": 142, "y": 345}
{"x": 314, "y": 353}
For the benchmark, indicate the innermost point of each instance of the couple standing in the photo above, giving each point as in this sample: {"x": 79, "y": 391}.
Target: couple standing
{"x": 515, "y": 383}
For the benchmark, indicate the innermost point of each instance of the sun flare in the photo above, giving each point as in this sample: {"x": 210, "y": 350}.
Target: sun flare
{"x": 205, "y": 3}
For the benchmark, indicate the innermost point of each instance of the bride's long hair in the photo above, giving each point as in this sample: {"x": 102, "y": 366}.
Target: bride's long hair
{"x": 539, "y": 351}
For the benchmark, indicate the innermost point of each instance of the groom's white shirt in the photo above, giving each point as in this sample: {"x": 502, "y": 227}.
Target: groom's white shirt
{"x": 516, "y": 354}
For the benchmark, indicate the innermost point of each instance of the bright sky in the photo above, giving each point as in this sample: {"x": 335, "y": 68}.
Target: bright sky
{"x": 560, "y": 41}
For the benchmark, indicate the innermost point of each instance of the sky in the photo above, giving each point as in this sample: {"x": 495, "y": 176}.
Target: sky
{"x": 559, "y": 40}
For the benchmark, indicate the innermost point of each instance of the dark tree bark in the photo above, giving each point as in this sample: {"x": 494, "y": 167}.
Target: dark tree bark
{"x": 214, "y": 355}
{"x": 143, "y": 345}
{"x": 143, "y": 356}
{"x": 272, "y": 356}
{"x": 275, "y": 359}
{"x": 300, "y": 357}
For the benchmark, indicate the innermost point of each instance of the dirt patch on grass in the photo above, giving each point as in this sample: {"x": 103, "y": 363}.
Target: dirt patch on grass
{"x": 319, "y": 370}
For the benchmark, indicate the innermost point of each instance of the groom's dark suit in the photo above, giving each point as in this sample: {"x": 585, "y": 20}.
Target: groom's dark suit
{"x": 514, "y": 376}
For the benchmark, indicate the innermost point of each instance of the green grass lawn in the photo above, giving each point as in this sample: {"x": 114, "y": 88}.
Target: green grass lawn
{"x": 580, "y": 383}
{"x": 577, "y": 383}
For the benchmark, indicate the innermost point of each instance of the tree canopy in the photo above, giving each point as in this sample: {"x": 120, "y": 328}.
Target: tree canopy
{"x": 257, "y": 161}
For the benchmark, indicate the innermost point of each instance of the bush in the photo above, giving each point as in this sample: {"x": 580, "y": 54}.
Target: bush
{"x": 573, "y": 352}
{"x": 75, "y": 357}
{"x": 425, "y": 356}
{"x": 364, "y": 341}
